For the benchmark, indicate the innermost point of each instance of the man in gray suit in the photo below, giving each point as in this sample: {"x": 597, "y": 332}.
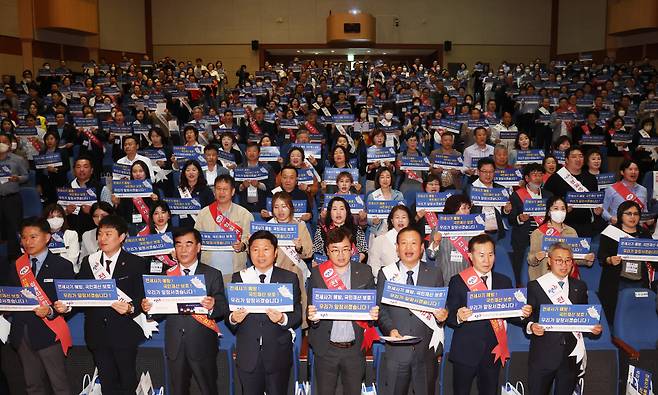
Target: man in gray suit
{"x": 339, "y": 346}
{"x": 191, "y": 339}
{"x": 410, "y": 365}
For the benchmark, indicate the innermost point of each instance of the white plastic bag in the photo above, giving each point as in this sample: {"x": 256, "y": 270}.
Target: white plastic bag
{"x": 370, "y": 390}
{"x": 91, "y": 385}
{"x": 145, "y": 385}
{"x": 580, "y": 387}
{"x": 302, "y": 388}
{"x": 509, "y": 389}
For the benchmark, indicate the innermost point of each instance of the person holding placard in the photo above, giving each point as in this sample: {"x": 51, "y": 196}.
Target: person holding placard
{"x": 264, "y": 341}
{"x": 556, "y": 358}
{"x": 410, "y": 181}
{"x": 112, "y": 334}
{"x": 410, "y": 365}
{"x": 214, "y": 167}
{"x": 339, "y": 215}
{"x": 225, "y": 216}
{"x": 53, "y": 176}
{"x": 493, "y": 215}
{"x": 378, "y": 139}
{"x": 479, "y": 348}
{"x": 384, "y": 181}
{"x": 450, "y": 178}
{"x": 130, "y": 147}
{"x": 89, "y": 243}
{"x": 624, "y": 190}
{"x": 41, "y": 338}
{"x": 135, "y": 211}
{"x": 80, "y": 217}
{"x": 193, "y": 186}
{"x": 191, "y": 339}
{"x": 14, "y": 172}
{"x": 479, "y": 149}
{"x": 64, "y": 241}
{"x": 339, "y": 346}
{"x": 618, "y": 273}
{"x": 252, "y": 193}
{"x": 383, "y": 251}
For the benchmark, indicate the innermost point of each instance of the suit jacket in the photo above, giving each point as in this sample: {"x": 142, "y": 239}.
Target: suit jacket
{"x": 551, "y": 349}
{"x": 402, "y": 319}
{"x": 53, "y": 267}
{"x": 521, "y": 229}
{"x": 319, "y": 333}
{"x": 478, "y": 209}
{"x": 200, "y": 341}
{"x": 104, "y": 327}
{"x": 472, "y": 340}
{"x": 276, "y": 349}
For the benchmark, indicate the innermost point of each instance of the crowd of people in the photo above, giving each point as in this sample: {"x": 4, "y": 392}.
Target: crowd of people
{"x": 324, "y": 146}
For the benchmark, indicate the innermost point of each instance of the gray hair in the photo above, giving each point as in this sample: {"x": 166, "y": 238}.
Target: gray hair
{"x": 559, "y": 246}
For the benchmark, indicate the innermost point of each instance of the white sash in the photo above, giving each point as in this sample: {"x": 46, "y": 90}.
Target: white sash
{"x": 548, "y": 282}
{"x": 75, "y": 184}
{"x": 291, "y": 252}
{"x": 100, "y": 273}
{"x": 571, "y": 180}
{"x": 392, "y": 236}
{"x": 655, "y": 185}
{"x": 644, "y": 134}
{"x": 315, "y": 172}
{"x": 544, "y": 111}
{"x": 392, "y": 273}
{"x": 186, "y": 194}
{"x": 349, "y": 138}
{"x": 615, "y": 233}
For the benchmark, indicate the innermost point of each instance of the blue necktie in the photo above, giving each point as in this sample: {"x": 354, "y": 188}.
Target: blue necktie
{"x": 561, "y": 284}
{"x": 410, "y": 277}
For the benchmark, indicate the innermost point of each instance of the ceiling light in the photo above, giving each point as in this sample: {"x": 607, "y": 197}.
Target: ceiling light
{"x": 354, "y": 11}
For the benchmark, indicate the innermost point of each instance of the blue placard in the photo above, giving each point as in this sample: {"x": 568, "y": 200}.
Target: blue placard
{"x": 331, "y": 173}
{"x": 120, "y": 171}
{"x": 355, "y": 202}
{"x": 257, "y": 297}
{"x": 402, "y": 98}
{"x": 585, "y": 199}
{"x": 580, "y": 246}
{"x": 305, "y": 176}
{"x": 382, "y": 154}
{"x": 86, "y": 293}
{"x": 432, "y": 201}
{"x": 593, "y": 139}
{"x": 638, "y": 249}
{"x": 381, "y": 208}
{"x": 414, "y": 297}
{"x": 288, "y": 124}
{"x": 132, "y": 188}
{"x": 121, "y": 130}
{"x": 150, "y": 245}
{"x": 175, "y": 294}
{"x": 26, "y": 131}
{"x": 639, "y": 381}
{"x": 86, "y": 123}
{"x": 651, "y": 142}
{"x": 347, "y": 305}
{"x": 453, "y": 225}
{"x": 449, "y": 126}
{"x": 508, "y": 177}
{"x": 154, "y": 154}
{"x": 49, "y": 159}
{"x": 569, "y": 318}
{"x": 496, "y": 303}
{"x": 523, "y": 157}
{"x": 618, "y": 137}
{"x": 605, "y": 180}
{"x": 343, "y": 119}
{"x": 421, "y": 163}
{"x": 187, "y": 152}
{"x": 18, "y": 299}
{"x": 56, "y": 244}
{"x": 489, "y": 197}
{"x": 5, "y": 173}
{"x": 508, "y": 134}
{"x": 285, "y": 233}
{"x": 314, "y": 150}
{"x": 141, "y": 129}
{"x": 559, "y": 155}
{"x": 534, "y": 207}
{"x": 448, "y": 162}
{"x": 300, "y": 206}
{"x": 218, "y": 241}
{"x": 250, "y": 173}
{"x": 183, "y": 206}
{"x": 102, "y": 108}
{"x": 389, "y": 129}
{"x": 76, "y": 197}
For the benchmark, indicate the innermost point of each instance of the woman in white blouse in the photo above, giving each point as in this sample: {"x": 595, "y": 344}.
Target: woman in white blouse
{"x": 63, "y": 241}
{"x": 383, "y": 249}
{"x": 98, "y": 211}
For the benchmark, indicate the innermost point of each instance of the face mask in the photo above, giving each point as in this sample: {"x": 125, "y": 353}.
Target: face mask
{"x": 416, "y": 104}
{"x": 388, "y": 116}
{"x": 55, "y": 223}
{"x": 558, "y": 216}
{"x": 647, "y": 128}
{"x": 622, "y": 113}
{"x": 469, "y": 101}
{"x": 534, "y": 186}
{"x": 3, "y": 148}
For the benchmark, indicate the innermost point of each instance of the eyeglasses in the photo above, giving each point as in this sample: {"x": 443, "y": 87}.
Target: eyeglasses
{"x": 560, "y": 261}
{"x": 631, "y": 213}
{"x": 336, "y": 251}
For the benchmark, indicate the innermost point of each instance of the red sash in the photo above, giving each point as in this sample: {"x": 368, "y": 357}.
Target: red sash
{"x": 92, "y": 137}
{"x": 549, "y": 231}
{"x": 57, "y": 325}
{"x": 585, "y": 129}
{"x": 432, "y": 222}
{"x": 201, "y": 318}
{"x": 474, "y": 283}
{"x": 332, "y": 281}
{"x": 143, "y": 209}
{"x": 312, "y": 129}
{"x": 252, "y": 121}
{"x": 626, "y": 193}
{"x": 223, "y": 221}
{"x": 525, "y": 195}
{"x": 460, "y": 244}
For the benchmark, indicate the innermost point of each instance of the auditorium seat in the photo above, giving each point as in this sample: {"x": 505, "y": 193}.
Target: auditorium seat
{"x": 591, "y": 275}
{"x": 503, "y": 263}
{"x": 31, "y": 202}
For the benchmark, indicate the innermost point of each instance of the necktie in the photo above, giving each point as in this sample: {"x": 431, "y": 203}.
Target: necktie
{"x": 34, "y": 266}
{"x": 484, "y": 281}
{"x": 186, "y": 271}
{"x": 108, "y": 262}
{"x": 410, "y": 277}
{"x": 561, "y": 284}
{"x": 262, "y": 278}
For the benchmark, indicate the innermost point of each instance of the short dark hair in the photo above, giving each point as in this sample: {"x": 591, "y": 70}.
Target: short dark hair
{"x": 485, "y": 161}
{"x": 572, "y": 148}
{"x": 224, "y": 178}
{"x": 210, "y": 147}
{"x": 399, "y": 207}
{"x": 337, "y": 235}
{"x": 263, "y": 235}
{"x": 179, "y": 232}
{"x": 36, "y": 222}
{"x": 481, "y": 239}
{"x": 114, "y": 222}
{"x": 105, "y": 206}
{"x": 531, "y": 167}
{"x": 409, "y": 229}
{"x": 454, "y": 202}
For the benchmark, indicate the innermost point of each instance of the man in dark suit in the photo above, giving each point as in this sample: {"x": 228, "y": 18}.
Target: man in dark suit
{"x": 339, "y": 346}
{"x": 264, "y": 342}
{"x": 191, "y": 340}
{"x": 550, "y": 357}
{"x": 41, "y": 337}
{"x": 410, "y": 366}
{"x": 80, "y": 218}
{"x": 474, "y": 342}
{"x": 493, "y": 215}
{"x": 523, "y": 224}
{"x": 110, "y": 332}
{"x": 66, "y": 132}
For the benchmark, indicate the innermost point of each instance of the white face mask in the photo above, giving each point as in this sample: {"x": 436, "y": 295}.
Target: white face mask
{"x": 388, "y": 116}
{"x": 558, "y": 216}
{"x": 55, "y": 223}
{"x": 3, "y": 148}
{"x": 622, "y": 113}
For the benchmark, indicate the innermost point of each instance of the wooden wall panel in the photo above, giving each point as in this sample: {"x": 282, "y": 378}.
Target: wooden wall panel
{"x": 69, "y": 15}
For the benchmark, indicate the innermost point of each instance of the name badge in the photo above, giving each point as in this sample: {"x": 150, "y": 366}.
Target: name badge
{"x": 156, "y": 266}
{"x": 632, "y": 267}
{"x": 85, "y": 143}
{"x": 137, "y": 218}
{"x": 47, "y": 280}
{"x": 455, "y": 256}
{"x": 252, "y": 192}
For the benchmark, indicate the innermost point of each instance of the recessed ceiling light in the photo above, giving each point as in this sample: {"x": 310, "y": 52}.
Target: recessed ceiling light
{"x": 383, "y": 53}
{"x": 298, "y": 51}
{"x": 332, "y": 51}
{"x": 368, "y": 51}
{"x": 316, "y": 53}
